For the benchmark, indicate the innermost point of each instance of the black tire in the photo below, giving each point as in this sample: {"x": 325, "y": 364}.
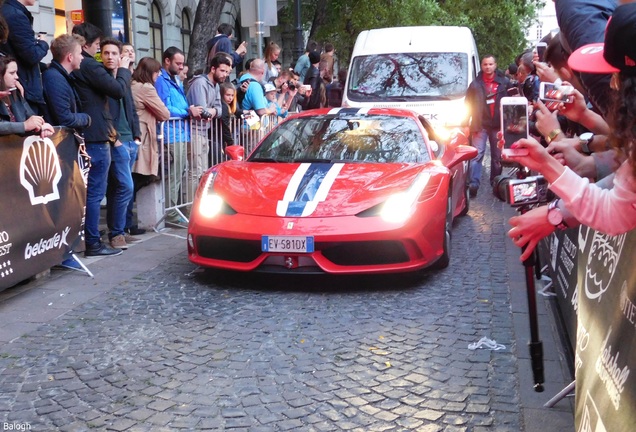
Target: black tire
{"x": 464, "y": 211}
{"x": 444, "y": 260}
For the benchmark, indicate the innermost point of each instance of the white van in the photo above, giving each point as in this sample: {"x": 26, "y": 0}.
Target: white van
{"x": 425, "y": 69}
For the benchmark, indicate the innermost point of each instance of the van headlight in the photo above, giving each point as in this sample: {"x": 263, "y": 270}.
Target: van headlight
{"x": 455, "y": 114}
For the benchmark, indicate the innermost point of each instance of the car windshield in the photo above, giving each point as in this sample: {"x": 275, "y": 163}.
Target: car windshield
{"x": 416, "y": 76}
{"x": 325, "y": 138}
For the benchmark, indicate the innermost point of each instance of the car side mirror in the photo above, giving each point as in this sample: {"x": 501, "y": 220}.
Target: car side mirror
{"x": 459, "y": 136}
{"x": 235, "y": 152}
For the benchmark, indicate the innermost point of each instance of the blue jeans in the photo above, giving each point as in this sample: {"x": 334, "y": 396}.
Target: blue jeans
{"x": 120, "y": 190}
{"x": 95, "y": 189}
{"x": 479, "y": 142}
{"x": 133, "y": 150}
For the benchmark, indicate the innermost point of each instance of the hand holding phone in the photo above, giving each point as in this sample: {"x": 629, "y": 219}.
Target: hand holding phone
{"x": 541, "y": 48}
{"x": 554, "y": 92}
{"x": 510, "y": 153}
{"x": 514, "y": 119}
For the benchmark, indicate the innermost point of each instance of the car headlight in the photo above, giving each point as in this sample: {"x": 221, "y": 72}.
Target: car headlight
{"x": 399, "y": 207}
{"x": 210, "y": 204}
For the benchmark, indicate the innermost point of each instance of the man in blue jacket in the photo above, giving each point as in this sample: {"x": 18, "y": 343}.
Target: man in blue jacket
{"x": 59, "y": 91}
{"x": 26, "y": 49}
{"x": 94, "y": 85}
{"x": 177, "y": 130}
{"x": 222, "y": 43}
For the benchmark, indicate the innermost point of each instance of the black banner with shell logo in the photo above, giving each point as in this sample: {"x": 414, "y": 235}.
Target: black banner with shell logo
{"x": 43, "y": 197}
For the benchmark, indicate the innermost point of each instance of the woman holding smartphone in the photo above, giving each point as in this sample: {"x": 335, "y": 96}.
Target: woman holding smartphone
{"x": 611, "y": 211}
{"x": 16, "y": 116}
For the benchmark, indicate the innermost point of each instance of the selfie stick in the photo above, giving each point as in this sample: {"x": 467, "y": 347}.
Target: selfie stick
{"x": 535, "y": 344}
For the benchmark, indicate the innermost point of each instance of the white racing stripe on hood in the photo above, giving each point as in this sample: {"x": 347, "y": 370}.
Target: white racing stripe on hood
{"x": 306, "y": 208}
{"x": 323, "y": 190}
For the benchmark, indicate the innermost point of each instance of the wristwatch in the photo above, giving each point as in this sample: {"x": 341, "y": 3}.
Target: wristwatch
{"x": 585, "y": 140}
{"x": 552, "y": 135}
{"x": 555, "y": 217}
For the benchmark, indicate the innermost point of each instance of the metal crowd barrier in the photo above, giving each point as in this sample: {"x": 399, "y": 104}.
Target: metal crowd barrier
{"x": 187, "y": 148}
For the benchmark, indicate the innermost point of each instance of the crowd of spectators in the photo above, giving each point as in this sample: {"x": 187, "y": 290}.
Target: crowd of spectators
{"x": 116, "y": 104}
{"x": 584, "y": 147}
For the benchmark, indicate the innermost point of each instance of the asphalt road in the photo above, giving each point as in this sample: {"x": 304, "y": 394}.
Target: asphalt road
{"x": 154, "y": 344}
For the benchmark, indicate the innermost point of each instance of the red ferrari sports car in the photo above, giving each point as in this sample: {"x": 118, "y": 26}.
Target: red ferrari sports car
{"x": 339, "y": 190}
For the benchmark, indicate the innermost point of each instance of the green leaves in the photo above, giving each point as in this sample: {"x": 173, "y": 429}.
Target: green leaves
{"x": 498, "y": 25}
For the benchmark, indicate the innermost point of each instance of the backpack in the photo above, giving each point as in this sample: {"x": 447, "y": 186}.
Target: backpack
{"x": 240, "y": 95}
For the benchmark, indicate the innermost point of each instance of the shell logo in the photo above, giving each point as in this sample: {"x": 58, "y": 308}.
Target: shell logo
{"x": 40, "y": 170}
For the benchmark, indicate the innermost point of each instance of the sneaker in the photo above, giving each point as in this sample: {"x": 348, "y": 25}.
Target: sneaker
{"x": 176, "y": 220}
{"x": 472, "y": 191}
{"x": 130, "y": 239}
{"x": 71, "y": 263}
{"x": 101, "y": 249}
{"x": 135, "y": 230}
{"x": 118, "y": 242}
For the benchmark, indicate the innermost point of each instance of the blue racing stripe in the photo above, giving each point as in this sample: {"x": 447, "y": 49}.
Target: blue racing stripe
{"x": 307, "y": 188}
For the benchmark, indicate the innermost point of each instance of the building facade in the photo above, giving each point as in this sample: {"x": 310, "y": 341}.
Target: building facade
{"x": 545, "y": 23}
{"x": 151, "y": 25}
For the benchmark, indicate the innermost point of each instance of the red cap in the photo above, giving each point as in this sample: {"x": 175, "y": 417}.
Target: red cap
{"x": 618, "y": 53}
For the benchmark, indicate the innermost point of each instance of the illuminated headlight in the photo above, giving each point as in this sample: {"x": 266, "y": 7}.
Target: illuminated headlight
{"x": 442, "y": 133}
{"x": 455, "y": 114}
{"x": 399, "y": 207}
{"x": 210, "y": 204}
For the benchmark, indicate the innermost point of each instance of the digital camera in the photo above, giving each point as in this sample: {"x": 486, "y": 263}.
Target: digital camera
{"x": 521, "y": 191}
{"x": 205, "y": 114}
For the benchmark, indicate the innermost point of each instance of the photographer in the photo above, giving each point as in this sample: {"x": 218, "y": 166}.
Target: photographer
{"x": 293, "y": 98}
{"x": 204, "y": 91}
{"x": 609, "y": 211}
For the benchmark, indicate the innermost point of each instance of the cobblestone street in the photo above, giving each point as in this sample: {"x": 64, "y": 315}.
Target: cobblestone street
{"x": 176, "y": 348}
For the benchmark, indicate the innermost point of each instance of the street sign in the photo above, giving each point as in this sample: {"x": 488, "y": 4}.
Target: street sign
{"x": 268, "y": 9}
{"x": 77, "y": 16}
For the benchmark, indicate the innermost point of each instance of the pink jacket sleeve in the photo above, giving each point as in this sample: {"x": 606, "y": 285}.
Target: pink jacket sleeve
{"x": 611, "y": 211}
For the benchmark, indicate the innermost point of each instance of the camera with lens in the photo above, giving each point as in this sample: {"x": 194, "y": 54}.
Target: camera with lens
{"x": 291, "y": 85}
{"x": 205, "y": 114}
{"x": 521, "y": 191}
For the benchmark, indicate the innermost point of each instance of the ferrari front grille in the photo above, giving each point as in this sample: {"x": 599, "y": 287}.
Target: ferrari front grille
{"x": 228, "y": 249}
{"x": 365, "y": 253}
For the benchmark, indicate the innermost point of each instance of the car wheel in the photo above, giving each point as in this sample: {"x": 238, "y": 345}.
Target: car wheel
{"x": 444, "y": 260}
{"x": 464, "y": 211}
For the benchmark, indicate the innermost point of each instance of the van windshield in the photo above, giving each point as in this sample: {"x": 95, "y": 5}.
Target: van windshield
{"x": 413, "y": 76}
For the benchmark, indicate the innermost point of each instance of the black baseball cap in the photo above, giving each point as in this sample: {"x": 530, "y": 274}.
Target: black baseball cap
{"x": 618, "y": 52}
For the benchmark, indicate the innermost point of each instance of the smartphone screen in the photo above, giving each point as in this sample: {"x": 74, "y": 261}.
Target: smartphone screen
{"x": 552, "y": 93}
{"x": 514, "y": 121}
{"x": 541, "y": 48}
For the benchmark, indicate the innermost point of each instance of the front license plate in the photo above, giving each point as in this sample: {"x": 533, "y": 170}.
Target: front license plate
{"x": 287, "y": 244}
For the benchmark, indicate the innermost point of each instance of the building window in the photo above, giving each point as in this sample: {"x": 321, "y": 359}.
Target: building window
{"x": 156, "y": 32}
{"x": 186, "y": 31}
